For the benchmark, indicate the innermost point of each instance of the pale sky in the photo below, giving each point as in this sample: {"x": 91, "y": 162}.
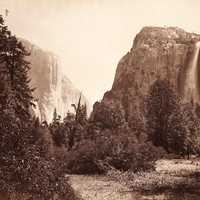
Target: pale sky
{"x": 91, "y": 36}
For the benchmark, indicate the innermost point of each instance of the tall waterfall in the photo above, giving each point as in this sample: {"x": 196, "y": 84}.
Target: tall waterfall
{"x": 191, "y": 89}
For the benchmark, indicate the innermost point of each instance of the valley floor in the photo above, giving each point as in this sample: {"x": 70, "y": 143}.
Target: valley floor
{"x": 99, "y": 188}
{"x": 169, "y": 175}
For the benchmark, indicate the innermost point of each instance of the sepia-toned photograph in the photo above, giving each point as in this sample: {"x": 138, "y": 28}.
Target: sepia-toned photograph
{"x": 99, "y": 100}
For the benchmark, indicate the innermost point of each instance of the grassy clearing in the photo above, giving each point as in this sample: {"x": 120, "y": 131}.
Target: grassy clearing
{"x": 99, "y": 188}
{"x": 178, "y": 167}
{"x": 169, "y": 175}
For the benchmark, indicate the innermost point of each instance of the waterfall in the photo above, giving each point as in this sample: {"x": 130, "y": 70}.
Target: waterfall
{"x": 191, "y": 89}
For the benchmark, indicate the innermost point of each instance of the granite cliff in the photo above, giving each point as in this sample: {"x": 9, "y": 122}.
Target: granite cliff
{"x": 157, "y": 53}
{"x": 53, "y": 89}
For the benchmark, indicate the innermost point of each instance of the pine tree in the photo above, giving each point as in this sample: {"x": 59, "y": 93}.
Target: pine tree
{"x": 161, "y": 103}
{"x": 14, "y": 71}
{"x": 54, "y": 115}
{"x": 15, "y": 102}
{"x": 176, "y": 132}
{"x": 170, "y": 123}
{"x": 15, "y": 94}
{"x": 80, "y": 112}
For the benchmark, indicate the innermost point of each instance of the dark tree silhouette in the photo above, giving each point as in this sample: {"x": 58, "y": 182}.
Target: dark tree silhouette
{"x": 170, "y": 123}
{"x": 161, "y": 103}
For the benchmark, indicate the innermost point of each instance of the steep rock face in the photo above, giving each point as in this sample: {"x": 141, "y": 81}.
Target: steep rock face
{"x": 157, "y": 53}
{"x": 53, "y": 89}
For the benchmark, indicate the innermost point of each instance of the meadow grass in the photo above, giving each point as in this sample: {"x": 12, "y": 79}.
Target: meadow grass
{"x": 169, "y": 175}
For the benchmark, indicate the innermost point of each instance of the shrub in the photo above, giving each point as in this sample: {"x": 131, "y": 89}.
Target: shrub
{"x": 118, "y": 152}
{"x": 82, "y": 160}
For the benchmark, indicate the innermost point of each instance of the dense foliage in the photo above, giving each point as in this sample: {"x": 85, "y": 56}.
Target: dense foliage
{"x": 103, "y": 142}
{"x": 107, "y": 140}
{"x": 171, "y": 123}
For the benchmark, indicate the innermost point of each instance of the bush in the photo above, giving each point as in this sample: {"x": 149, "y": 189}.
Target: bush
{"x": 82, "y": 160}
{"x": 145, "y": 156}
{"x": 112, "y": 152}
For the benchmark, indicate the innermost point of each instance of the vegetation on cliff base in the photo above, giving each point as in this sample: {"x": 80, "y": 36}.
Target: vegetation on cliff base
{"x": 170, "y": 123}
{"x": 106, "y": 140}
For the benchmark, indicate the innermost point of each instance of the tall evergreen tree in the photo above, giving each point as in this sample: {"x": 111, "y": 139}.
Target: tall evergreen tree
{"x": 161, "y": 103}
{"x": 55, "y": 115}
{"x": 170, "y": 123}
{"x": 14, "y": 73}
{"x": 15, "y": 102}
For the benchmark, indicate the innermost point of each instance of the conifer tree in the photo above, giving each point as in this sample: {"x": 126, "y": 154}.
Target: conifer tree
{"x": 161, "y": 103}
{"x": 15, "y": 102}
{"x": 14, "y": 71}
{"x": 170, "y": 123}
{"x": 54, "y": 115}
{"x": 15, "y": 94}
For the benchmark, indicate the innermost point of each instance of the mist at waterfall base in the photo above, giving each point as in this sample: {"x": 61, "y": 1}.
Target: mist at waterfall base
{"x": 91, "y": 36}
